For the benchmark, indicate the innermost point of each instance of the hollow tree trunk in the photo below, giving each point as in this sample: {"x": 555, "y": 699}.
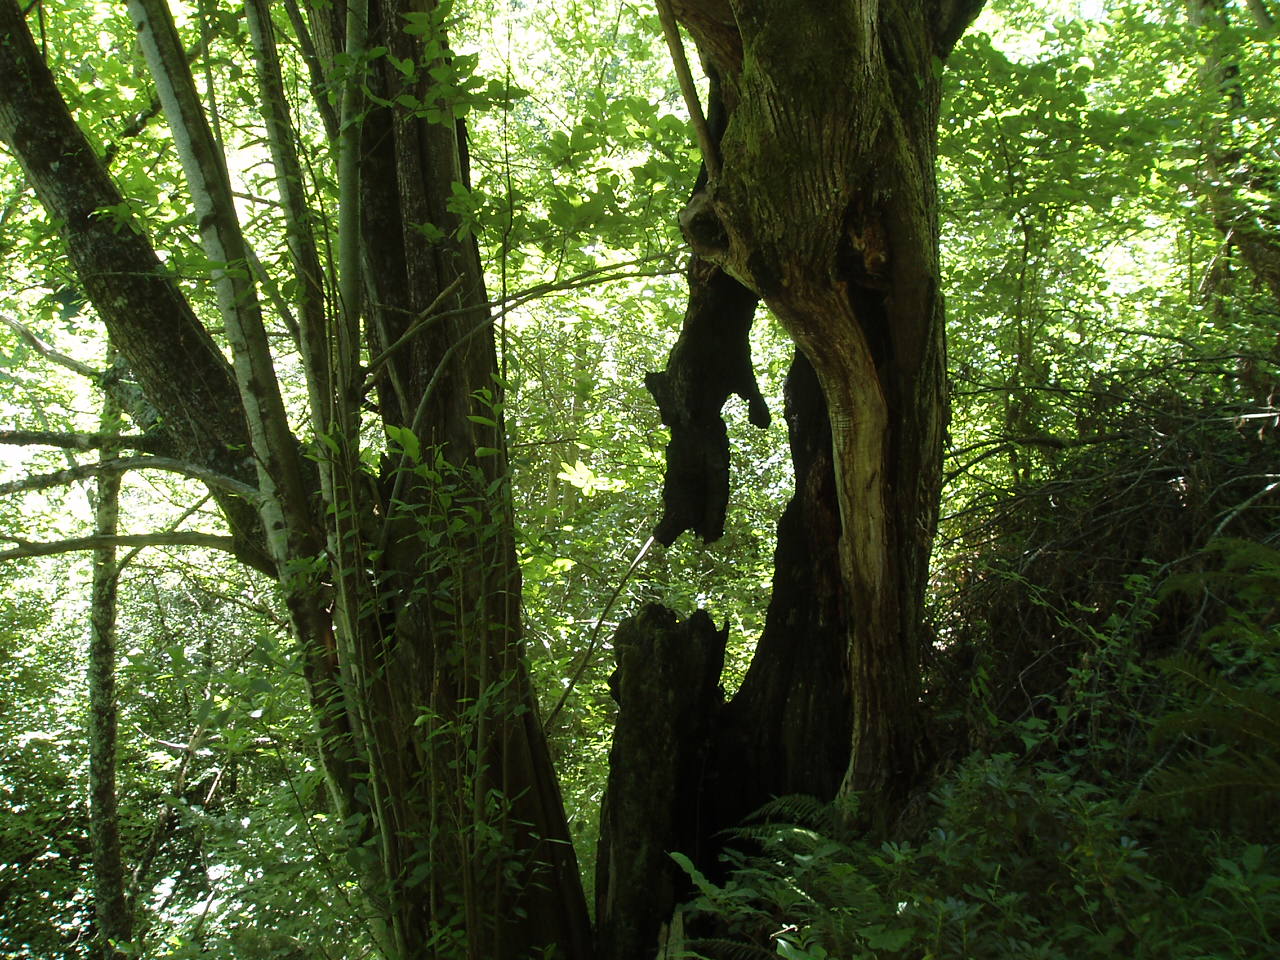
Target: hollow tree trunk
{"x": 824, "y": 207}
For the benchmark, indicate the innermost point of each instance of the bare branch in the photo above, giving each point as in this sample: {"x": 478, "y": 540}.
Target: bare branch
{"x": 124, "y": 464}
{"x": 28, "y": 548}
{"x": 663, "y": 265}
{"x": 421, "y": 323}
{"x": 47, "y": 350}
{"x": 998, "y": 445}
{"x": 710, "y": 155}
{"x": 148, "y": 443}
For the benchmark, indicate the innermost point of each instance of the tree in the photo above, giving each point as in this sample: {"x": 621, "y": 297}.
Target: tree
{"x": 390, "y": 535}
{"x": 401, "y": 580}
{"x": 818, "y": 198}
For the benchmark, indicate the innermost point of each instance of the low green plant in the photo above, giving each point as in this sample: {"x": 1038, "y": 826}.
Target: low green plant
{"x": 1016, "y": 862}
{"x": 1115, "y": 831}
{"x": 1227, "y": 772}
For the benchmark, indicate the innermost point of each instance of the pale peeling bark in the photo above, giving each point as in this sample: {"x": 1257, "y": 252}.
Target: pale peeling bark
{"x": 284, "y": 506}
{"x": 291, "y": 184}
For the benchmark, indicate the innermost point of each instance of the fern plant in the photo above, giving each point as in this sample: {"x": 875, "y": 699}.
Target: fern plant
{"x": 1232, "y": 720}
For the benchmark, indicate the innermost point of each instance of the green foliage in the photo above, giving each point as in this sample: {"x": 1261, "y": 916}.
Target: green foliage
{"x": 1012, "y": 860}
{"x": 1231, "y": 768}
{"x": 44, "y": 840}
{"x": 1113, "y": 363}
{"x": 1046, "y": 854}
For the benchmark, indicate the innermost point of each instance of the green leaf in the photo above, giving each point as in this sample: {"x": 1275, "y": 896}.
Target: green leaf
{"x": 880, "y": 937}
{"x": 405, "y": 439}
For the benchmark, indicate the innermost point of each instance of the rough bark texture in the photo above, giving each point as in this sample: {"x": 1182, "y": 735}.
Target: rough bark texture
{"x": 786, "y": 730}
{"x": 443, "y": 643}
{"x": 667, "y": 687}
{"x": 825, "y": 208}
{"x": 111, "y": 909}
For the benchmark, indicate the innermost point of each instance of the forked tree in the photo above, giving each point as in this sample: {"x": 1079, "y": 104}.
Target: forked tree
{"x": 401, "y": 584}
{"x": 817, "y": 197}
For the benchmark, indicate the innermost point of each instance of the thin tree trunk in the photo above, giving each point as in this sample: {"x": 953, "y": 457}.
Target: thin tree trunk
{"x": 285, "y": 508}
{"x": 1247, "y": 226}
{"x": 114, "y": 923}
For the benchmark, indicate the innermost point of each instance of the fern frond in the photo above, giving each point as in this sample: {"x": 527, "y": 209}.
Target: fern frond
{"x": 1192, "y": 676}
{"x": 1247, "y": 722}
{"x": 1212, "y": 787}
{"x": 1242, "y": 715}
{"x": 718, "y": 948}
{"x": 798, "y": 809}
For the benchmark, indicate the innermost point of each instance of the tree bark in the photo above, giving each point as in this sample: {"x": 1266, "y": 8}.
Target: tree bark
{"x": 111, "y": 909}
{"x": 667, "y": 688}
{"x": 684, "y": 765}
{"x": 826, "y": 208}
{"x": 1248, "y": 226}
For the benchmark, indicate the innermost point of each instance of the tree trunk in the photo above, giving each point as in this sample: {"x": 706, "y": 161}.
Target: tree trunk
{"x": 667, "y": 687}
{"x": 1229, "y": 178}
{"x": 111, "y": 909}
{"x": 403, "y": 588}
{"x": 826, "y": 208}
{"x": 823, "y": 204}
{"x": 684, "y": 765}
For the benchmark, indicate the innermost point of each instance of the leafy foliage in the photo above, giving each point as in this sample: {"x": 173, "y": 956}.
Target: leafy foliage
{"x": 1051, "y": 852}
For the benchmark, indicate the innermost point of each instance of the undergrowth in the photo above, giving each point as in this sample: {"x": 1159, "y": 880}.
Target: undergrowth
{"x": 1131, "y": 814}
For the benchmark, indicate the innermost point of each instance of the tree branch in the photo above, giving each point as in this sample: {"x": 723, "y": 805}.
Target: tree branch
{"x": 47, "y": 350}
{"x": 710, "y": 156}
{"x": 124, "y": 464}
{"x": 28, "y": 548}
{"x": 148, "y": 318}
{"x": 953, "y": 19}
{"x": 146, "y": 442}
